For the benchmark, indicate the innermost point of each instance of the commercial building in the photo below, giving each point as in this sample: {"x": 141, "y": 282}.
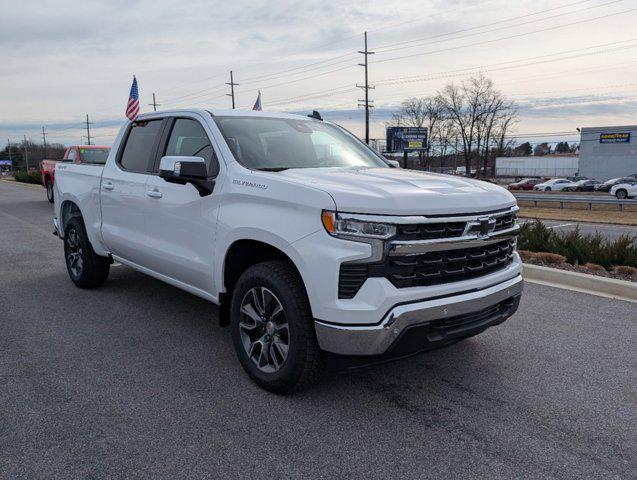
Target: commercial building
{"x": 537, "y": 166}
{"x": 608, "y": 152}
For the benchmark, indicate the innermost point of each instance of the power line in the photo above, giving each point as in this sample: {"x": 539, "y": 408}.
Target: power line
{"x": 518, "y": 35}
{"x": 417, "y": 41}
{"x": 44, "y": 140}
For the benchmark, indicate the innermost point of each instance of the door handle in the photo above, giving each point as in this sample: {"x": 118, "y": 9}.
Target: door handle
{"x": 154, "y": 193}
{"x": 108, "y": 185}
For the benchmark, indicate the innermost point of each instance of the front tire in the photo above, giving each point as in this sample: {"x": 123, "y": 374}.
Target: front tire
{"x": 273, "y": 329}
{"x": 49, "y": 190}
{"x": 621, "y": 194}
{"x": 85, "y": 267}
{"x": 547, "y": 189}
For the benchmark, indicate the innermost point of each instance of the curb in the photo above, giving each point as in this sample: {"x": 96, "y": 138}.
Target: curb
{"x": 21, "y": 184}
{"x": 581, "y": 282}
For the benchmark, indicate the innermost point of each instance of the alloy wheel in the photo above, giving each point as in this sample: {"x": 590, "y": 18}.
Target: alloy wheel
{"x": 264, "y": 330}
{"x": 74, "y": 253}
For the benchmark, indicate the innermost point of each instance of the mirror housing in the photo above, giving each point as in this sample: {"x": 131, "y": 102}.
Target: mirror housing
{"x": 183, "y": 170}
{"x": 393, "y": 163}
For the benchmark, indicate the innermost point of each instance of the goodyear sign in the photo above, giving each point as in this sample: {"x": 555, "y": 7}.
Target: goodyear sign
{"x": 620, "y": 137}
{"x": 406, "y": 139}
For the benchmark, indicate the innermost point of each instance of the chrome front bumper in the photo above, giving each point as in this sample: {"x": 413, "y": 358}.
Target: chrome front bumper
{"x": 378, "y": 339}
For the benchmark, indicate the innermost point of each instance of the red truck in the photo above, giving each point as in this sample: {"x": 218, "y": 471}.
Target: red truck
{"x": 74, "y": 154}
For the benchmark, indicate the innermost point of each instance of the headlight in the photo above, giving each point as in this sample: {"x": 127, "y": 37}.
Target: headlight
{"x": 339, "y": 225}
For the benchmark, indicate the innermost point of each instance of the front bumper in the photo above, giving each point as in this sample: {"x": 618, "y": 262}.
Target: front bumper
{"x": 412, "y": 327}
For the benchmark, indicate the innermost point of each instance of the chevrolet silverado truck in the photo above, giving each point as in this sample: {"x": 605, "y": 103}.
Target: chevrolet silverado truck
{"x": 73, "y": 154}
{"x": 315, "y": 249}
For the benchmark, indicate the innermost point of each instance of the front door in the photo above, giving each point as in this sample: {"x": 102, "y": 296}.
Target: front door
{"x": 123, "y": 192}
{"x": 180, "y": 224}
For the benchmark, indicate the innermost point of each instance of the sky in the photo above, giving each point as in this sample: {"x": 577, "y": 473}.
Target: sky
{"x": 566, "y": 63}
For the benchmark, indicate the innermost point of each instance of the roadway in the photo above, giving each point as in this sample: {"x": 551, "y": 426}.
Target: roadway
{"x": 136, "y": 379}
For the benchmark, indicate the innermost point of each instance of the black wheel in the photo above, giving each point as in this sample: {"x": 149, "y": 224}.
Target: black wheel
{"x": 49, "y": 190}
{"x": 273, "y": 329}
{"x": 547, "y": 189}
{"x": 579, "y": 189}
{"x": 621, "y": 194}
{"x": 85, "y": 267}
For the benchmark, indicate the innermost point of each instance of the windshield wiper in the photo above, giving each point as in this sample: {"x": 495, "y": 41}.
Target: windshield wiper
{"x": 272, "y": 169}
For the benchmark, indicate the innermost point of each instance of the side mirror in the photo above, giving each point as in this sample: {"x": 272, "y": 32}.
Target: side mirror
{"x": 393, "y": 163}
{"x": 183, "y": 170}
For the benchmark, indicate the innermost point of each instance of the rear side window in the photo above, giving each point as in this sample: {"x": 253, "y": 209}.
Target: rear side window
{"x": 189, "y": 139}
{"x": 140, "y": 145}
{"x": 94, "y": 155}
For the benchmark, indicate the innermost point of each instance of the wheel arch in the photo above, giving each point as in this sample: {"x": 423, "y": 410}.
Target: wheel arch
{"x": 241, "y": 255}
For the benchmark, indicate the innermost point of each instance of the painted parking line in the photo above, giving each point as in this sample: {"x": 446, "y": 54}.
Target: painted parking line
{"x": 560, "y": 226}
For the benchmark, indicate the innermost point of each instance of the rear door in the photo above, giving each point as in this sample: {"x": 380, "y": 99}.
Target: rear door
{"x": 180, "y": 224}
{"x": 123, "y": 191}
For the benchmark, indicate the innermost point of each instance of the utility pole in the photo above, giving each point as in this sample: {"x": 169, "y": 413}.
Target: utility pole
{"x": 88, "y": 131}
{"x": 26, "y": 153}
{"x": 155, "y": 104}
{"x": 44, "y": 141}
{"x": 232, "y": 85}
{"x": 366, "y": 101}
{"x": 10, "y": 159}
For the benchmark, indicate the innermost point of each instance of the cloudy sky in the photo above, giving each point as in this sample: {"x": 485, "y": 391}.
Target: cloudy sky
{"x": 566, "y": 63}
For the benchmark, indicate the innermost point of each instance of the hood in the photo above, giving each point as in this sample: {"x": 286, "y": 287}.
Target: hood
{"x": 394, "y": 191}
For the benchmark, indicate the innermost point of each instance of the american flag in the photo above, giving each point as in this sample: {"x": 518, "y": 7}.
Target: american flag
{"x": 132, "y": 109}
{"x": 257, "y": 104}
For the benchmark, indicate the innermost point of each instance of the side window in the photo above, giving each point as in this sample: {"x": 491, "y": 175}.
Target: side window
{"x": 189, "y": 139}
{"x": 72, "y": 156}
{"x": 140, "y": 145}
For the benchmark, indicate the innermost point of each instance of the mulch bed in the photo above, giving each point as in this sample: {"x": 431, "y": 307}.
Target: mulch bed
{"x": 553, "y": 260}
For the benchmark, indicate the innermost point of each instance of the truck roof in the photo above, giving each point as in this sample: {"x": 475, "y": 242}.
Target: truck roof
{"x": 88, "y": 147}
{"x": 224, "y": 113}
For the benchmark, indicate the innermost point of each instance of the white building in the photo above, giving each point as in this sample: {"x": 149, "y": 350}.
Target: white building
{"x": 537, "y": 166}
{"x": 608, "y": 152}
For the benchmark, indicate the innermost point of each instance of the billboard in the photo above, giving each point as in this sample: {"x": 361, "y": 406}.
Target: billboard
{"x": 406, "y": 139}
{"x": 620, "y": 137}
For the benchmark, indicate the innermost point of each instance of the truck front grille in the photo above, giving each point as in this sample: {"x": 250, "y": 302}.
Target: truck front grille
{"x": 446, "y": 229}
{"x": 431, "y": 268}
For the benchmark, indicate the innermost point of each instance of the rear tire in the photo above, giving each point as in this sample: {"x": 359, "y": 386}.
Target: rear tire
{"x": 49, "y": 190}
{"x": 85, "y": 267}
{"x": 273, "y": 329}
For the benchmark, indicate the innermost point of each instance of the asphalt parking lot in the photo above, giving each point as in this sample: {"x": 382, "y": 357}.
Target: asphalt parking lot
{"x": 137, "y": 380}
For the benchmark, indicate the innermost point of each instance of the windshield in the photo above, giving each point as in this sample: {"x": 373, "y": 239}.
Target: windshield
{"x": 262, "y": 143}
{"x": 612, "y": 180}
{"x": 94, "y": 155}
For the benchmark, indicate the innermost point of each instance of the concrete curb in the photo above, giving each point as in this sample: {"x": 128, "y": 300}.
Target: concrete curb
{"x": 21, "y": 184}
{"x": 581, "y": 282}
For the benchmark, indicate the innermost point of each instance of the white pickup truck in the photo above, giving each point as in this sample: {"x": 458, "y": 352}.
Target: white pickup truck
{"x": 314, "y": 247}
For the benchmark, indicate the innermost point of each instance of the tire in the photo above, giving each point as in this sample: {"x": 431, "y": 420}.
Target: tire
{"x": 291, "y": 360}
{"x": 49, "y": 190}
{"x": 85, "y": 267}
{"x": 547, "y": 189}
{"x": 621, "y": 194}
{"x": 579, "y": 189}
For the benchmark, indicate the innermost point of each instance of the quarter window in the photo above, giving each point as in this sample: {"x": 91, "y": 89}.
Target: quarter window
{"x": 140, "y": 145}
{"x": 71, "y": 156}
{"x": 188, "y": 139}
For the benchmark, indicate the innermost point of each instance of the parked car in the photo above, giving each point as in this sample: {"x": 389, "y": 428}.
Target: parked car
{"x": 608, "y": 184}
{"x": 309, "y": 242}
{"x": 525, "y": 184}
{"x": 74, "y": 154}
{"x": 625, "y": 190}
{"x": 581, "y": 186}
{"x": 577, "y": 178}
{"x": 556, "y": 184}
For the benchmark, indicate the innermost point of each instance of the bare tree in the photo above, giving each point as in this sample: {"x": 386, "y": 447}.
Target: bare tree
{"x": 480, "y": 115}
